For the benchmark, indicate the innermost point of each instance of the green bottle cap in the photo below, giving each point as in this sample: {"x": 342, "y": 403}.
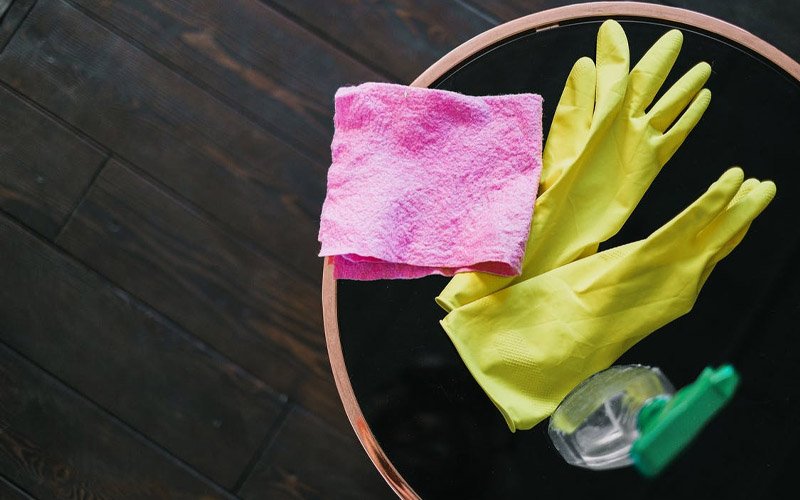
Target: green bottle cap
{"x": 668, "y": 425}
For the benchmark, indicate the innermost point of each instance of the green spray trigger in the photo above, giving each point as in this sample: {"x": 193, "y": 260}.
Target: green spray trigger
{"x": 667, "y": 425}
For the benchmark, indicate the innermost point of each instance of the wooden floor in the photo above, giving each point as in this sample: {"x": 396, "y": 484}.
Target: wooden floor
{"x": 162, "y": 169}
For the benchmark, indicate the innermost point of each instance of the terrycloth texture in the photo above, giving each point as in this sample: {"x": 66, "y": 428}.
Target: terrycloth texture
{"x": 344, "y": 268}
{"x": 427, "y": 181}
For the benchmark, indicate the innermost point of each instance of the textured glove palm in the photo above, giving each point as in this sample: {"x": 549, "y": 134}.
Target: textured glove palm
{"x": 529, "y": 344}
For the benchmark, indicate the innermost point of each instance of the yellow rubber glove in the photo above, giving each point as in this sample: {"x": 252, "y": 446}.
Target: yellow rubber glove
{"x": 530, "y": 344}
{"x": 602, "y": 153}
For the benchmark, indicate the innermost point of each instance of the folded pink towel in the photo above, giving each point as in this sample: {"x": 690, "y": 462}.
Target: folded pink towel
{"x": 427, "y": 181}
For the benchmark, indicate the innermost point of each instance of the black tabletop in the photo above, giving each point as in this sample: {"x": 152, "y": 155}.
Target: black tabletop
{"x": 440, "y": 430}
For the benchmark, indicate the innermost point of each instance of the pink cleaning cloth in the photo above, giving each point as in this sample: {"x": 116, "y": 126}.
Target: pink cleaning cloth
{"x": 427, "y": 181}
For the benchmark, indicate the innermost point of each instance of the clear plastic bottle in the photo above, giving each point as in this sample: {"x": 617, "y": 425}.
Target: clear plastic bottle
{"x": 631, "y": 415}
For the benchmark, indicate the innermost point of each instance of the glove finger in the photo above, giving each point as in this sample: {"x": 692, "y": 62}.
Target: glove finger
{"x": 569, "y": 130}
{"x": 674, "y": 137}
{"x": 747, "y": 186}
{"x": 703, "y": 211}
{"x": 741, "y": 214}
{"x": 669, "y": 107}
{"x": 736, "y": 220}
{"x": 578, "y": 97}
{"x": 650, "y": 72}
{"x": 613, "y": 63}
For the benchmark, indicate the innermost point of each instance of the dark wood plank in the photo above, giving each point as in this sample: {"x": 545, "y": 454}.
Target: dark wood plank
{"x": 13, "y": 12}
{"x": 163, "y": 123}
{"x": 128, "y": 359}
{"x": 55, "y": 444}
{"x": 9, "y": 491}
{"x": 772, "y": 20}
{"x": 401, "y": 37}
{"x": 234, "y": 298}
{"x": 506, "y": 10}
{"x": 284, "y": 76}
{"x": 4, "y": 5}
{"x": 44, "y": 168}
{"x": 308, "y": 460}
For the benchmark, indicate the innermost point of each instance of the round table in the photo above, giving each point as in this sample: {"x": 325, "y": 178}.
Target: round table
{"x": 425, "y": 422}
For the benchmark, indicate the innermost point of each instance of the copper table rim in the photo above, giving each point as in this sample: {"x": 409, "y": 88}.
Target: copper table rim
{"x": 533, "y": 22}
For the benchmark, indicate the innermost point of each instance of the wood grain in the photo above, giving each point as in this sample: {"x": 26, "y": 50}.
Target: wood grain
{"x": 178, "y": 133}
{"x": 401, "y": 37}
{"x": 326, "y": 465}
{"x": 57, "y": 445}
{"x": 283, "y": 76}
{"x": 9, "y": 491}
{"x": 127, "y": 358}
{"x": 44, "y": 168}
{"x": 234, "y": 298}
{"x": 12, "y": 12}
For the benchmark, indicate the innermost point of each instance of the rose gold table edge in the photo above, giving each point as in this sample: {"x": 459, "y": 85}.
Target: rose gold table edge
{"x": 551, "y": 18}
{"x": 342, "y": 380}
{"x": 539, "y": 20}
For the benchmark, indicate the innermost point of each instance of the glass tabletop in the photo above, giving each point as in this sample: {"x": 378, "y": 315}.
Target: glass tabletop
{"x": 442, "y": 433}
